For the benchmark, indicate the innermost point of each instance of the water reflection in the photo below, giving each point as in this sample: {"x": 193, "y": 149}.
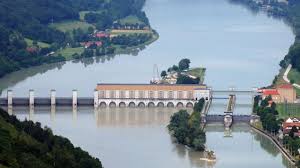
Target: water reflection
{"x": 115, "y": 132}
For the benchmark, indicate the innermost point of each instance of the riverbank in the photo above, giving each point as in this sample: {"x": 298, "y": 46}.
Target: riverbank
{"x": 276, "y": 143}
{"x": 290, "y": 12}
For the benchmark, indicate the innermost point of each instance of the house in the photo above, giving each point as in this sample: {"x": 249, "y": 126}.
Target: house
{"x": 288, "y": 125}
{"x": 90, "y": 43}
{"x": 32, "y": 49}
{"x": 273, "y": 93}
{"x": 287, "y": 93}
{"x": 281, "y": 94}
{"x": 101, "y": 35}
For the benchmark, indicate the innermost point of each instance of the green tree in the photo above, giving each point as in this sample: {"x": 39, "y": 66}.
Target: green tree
{"x": 184, "y": 64}
{"x": 163, "y": 74}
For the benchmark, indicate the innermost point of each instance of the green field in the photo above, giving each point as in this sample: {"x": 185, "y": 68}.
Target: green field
{"x": 288, "y": 110}
{"x": 294, "y": 75}
{"x": 71, "y": 25}
{"x": 198, "y": 72}
{"x": 41, "y": 44}
{"x": 68, "y": 52}
{"x": 130, "y": 20}
{"x": 83, "y": 13}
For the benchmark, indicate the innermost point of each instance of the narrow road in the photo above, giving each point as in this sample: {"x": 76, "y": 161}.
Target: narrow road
{"x": 285, "y": 76}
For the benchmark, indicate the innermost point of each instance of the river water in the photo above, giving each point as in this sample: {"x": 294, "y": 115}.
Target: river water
{"x": 238, "y": 48}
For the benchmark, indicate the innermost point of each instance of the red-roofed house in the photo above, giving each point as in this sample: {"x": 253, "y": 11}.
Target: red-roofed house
{"x": 102, "y": 35}
{"x": 287, "y": 93}
{"x": 273, "y": 93}
{"x": 88, "y": 44}
{"x": 288, "y": 125}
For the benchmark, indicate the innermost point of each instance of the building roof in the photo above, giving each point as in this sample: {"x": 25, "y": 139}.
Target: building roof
{"x": 115, "y": 86}
{"x": 146, "y": 84}
{"x": 271, "y": 92}
{"x": 285, "y": 86}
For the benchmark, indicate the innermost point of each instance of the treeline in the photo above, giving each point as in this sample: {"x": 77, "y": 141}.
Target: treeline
{"x": 266, "y": 109}
{"x": 131, "y": 40}
{"x": 186, "y": 129}
{"x": 25, "y": 144}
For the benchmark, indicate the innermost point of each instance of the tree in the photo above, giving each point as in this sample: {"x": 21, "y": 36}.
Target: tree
{"x": 163, "y": 74}
{"x": 199, "y": 105}
{"x": 175, "y": 68}
{"x": 184, "y": 64}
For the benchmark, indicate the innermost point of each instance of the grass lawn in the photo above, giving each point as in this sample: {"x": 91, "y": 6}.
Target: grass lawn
{"x": 290, "y": 110}
{"x": 294, "y": 75}
{"x": 68, "y": 52}
{"x": 71, "y": 25}
{"x": 120, "y": 32}
{"x": 41, "y": 44}
{"x": 83, "y": 13}
{"x": 131, "y": 19}
{"x": 198, "y": 72}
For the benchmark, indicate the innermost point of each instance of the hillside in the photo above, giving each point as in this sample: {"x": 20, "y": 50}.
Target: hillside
{"x": 22, "y": 22}
{"x": 27, "y": 145}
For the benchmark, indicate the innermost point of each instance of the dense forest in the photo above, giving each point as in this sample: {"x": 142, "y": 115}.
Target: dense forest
{"x": 30, "y": 19}
{"x": 27, "y": 145}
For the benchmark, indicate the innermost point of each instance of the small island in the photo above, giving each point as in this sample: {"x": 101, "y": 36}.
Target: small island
{"x": 186, "y": 130}
{"x": 182, "y": 74}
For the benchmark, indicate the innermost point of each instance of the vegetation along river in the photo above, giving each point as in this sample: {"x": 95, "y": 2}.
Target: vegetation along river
{"x": 237, "y": 47}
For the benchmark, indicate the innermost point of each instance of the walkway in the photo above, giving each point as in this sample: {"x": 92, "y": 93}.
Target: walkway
{"x": 285, "y": 76}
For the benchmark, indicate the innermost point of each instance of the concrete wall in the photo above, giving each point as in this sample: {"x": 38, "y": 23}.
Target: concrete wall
{"x": 47, "y": 101}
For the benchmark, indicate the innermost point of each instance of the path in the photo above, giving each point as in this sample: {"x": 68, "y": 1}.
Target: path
{"x": 285, "y": 76}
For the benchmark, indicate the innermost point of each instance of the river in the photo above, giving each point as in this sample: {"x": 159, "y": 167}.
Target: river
{"x": 239, "y": 48}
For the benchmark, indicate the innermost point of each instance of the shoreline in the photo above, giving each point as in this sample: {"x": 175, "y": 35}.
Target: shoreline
{"x": 282, "y": 150}
{"x": 121, "y": 51}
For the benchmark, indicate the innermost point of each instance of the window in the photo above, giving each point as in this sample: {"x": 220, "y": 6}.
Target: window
{"x": 151, "y": 94}
{"x": 112, "y": 94}
{"x": 102, "y": 94}
{"x": 131, "y": 94}
{"x": 160, "y": 94}
{"x": 122, "y": 94}
{"x": 190, "y": 95}
{"x": 170, "y": 95}
{"x": 180, "y": 95}
{"x": 141, "y": 94}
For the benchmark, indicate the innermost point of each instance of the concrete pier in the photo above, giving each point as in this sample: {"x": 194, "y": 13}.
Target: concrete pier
{"x": 96, "y": 98}
{"x": 53, "y": 97}
{"x": 74, "y": 98}
{"x": 9, "y": 98}
{"x": 31, "y": 97}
